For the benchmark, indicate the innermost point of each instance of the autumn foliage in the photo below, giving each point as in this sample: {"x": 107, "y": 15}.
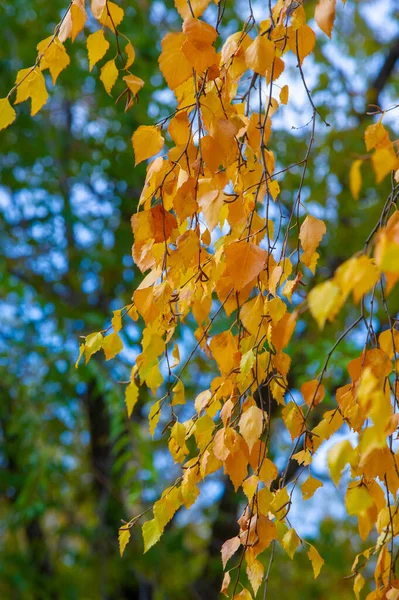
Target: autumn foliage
{"x": 213, "y": 244}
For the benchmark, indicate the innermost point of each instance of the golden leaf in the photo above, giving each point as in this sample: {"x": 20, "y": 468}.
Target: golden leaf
{"x": 252, "y": 423}
{"x": 7, "y": 113}
{"x": 130, "y": 54}
{"x": 123, "y": 538}
{"x": 31, "y": 85}
{"x": 302, "y": 42}
{"x": 355, "y": 179}
{"x": 93, "y": 343}
{"x": 324, "y": 302}
{"x": 284, "y": 94}
{"x": 147, "y": 141}
{"x": 112, "y": 345}
{"x": 133, "y": 83}
{"x": 109, "y": 75}
{"x": 131, "y": 397}
{"x": 260, "y": 54}
{"x": 55, "y": 57}
{"x": 97, "y": 47}
{"x": 112, "y": 15}
{"x": 338, "y": 456}
{"x": 174, "y": 65}
{"x": 255, "y": 572}
{"x": 151, "y": 534}
{"x": 79, "y": 18}
{"x": 197, "y": 6}
{"x": 308, "y": 391}
{"x": 309, "y": 487}
{"x": 316, "y": 560}
{"x": 310, "y": 235}
{"x": 325, "y": 15}
{"x": 290, "y": 542}
{"x": 244, "y": 262}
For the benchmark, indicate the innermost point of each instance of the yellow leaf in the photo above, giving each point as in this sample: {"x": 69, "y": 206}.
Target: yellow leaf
{"x": 355, "y": 179}
{"x": 112, "y": 345}
{"x": 151, "y": 534}
{"x": 165, "y": 507}
{"x": 131, "y": 397}
{"x": 243, "y": 595}
{"x": 280, "y": 504}
{"x": 178, "y": 394}
{"x": 358, "y": 500}
{"x": 260, "y": 54}
{"x": 323, "y": 301}
{"x": 284, "y": 94}
{"x": 384, "y": 161}
{"x": 249, "y": 486}
{"x": 123, "y": 538}
{"x": 117, "y": 320}
{"x": 338, "y": 456}
{"x": 81, "y": 352}
{"x": 112, "y": 15}
{"x": 133, "y": 83}
{"x": 290, "y": 542}
{"x": 293, "y": 419}
{"x": 154, "y": 416}
{"x": 229, "y": 548}
{"x": 247, "y": 362}
{"x": 255, "y": 572}
{"x": 376, "y": 136}
{"x": 79, "y": 18}
{"x": 302, "y": 42}
{"x": 31, "y": 85}
{"x": 97, "y": 47}
{"x": 147, "y": 141}
{"x": 303, "y": 457}
{"x": 176, "y": 356}
{"x": 251, "y": 425}
{"x": 173, "y": 63}
{"x": 93, "y": 344}
{"x": 268, "y": 471}
{"x": 55, "y": 57}
{"x": 309, "y": 487}
{"x": 358, "y": 585}
{"x": 7, "y": 113}
{"x": 109, "y": 75}
{"x": 244, "y": 262}
{"x": 177, "y": 442}
{"x": 274, "y": 188}
{"x": 316, "y": 560}
{"x": 130, "y": 53}
{"x": 311, "y": 233}
{"x": 198, "y": 7}
{"x": 325, "y": 15}
{"x": 389, "y": 342}
{"x": 359, "y": 275}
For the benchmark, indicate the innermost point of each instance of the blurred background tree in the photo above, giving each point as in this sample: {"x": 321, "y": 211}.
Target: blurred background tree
{"x": 71, "y": 464}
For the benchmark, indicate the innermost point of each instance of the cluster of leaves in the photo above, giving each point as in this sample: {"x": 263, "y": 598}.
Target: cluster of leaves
{"x": 52, "y": 55}
{"x": 211, "y": 238}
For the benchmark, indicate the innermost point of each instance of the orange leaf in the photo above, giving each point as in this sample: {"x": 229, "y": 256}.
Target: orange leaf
{"x": 308, "y": 390}
{"x": 325, "y": 15}
{"x": 244, "y": 262}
